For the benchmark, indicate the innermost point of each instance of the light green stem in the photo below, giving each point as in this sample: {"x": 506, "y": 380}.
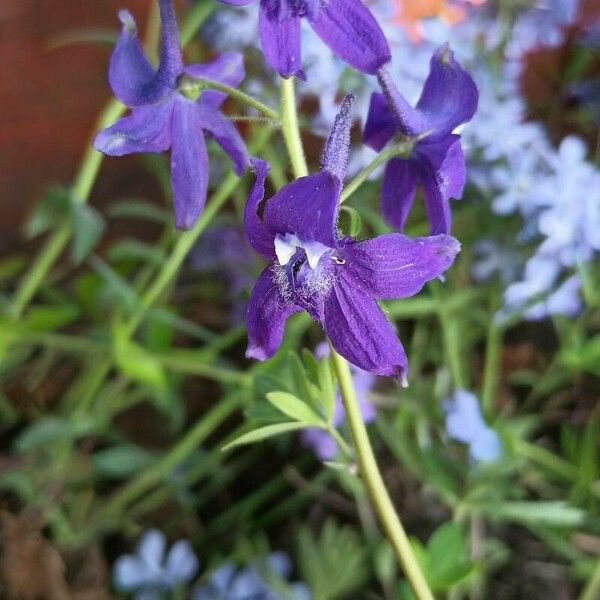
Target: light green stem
{"x": 493, "y": 355}
{"x": 194, "y": 85}
{"x": 291, "y": 131}
{"x": 369, "y": 471}
{"x": 391, "y": 152}
{"x": 592, "y": 588}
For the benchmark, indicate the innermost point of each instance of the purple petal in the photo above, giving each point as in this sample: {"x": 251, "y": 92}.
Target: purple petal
{"x": 380, "y": 126}
{"x": 260, "y": 238}
{"x": 237, "y": 2}
{"x": 151, "y": 548}
{"x": 449, "y": 95}
{"x": 360, "y": 332}
{"x": 409, "y": 120}
{"x": 335, "y": 155}
{"x": 129, "y": 72}
{"x": 307, "y": 207}
{"x": 227, "y": 69}
{"x": 321, "y": 442}
{"x": 351, "y": 31}
{"x": 181, "y": 564}
{"x": 443, "y": 174}
{"x": 146, "y": 129}
{"x": 395, "y": 266}
{"x": 226, "y": 135}
{"x": 189, "y": 164}
{"x": 398, "y": 191}
{"x": 267, "y": 314}
{"x": 280, "y": 41}
{"x": 171, "y": 61}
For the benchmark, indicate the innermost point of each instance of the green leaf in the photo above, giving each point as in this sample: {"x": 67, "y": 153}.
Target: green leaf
{"x": 552, "y": 513}
{"x": 41, "y": 433}
{"x": 139, "y": 209}
{"x": 88, "y": 226}
{"x": 52, "y": 209}
{"x": 121, "y": 461}
{"x": 293, "y": 407}
{"x": 137, "y": 363}
{"x": 48, "y": 318}
{"x": 583, "y": 358}
{"x": 262, "y": 433}
{"x": 135, "y": 250}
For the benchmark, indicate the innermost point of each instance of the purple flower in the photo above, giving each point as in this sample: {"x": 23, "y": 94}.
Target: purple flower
{"x": 346, "y": 26}
{"x": 464, "y": 423}
{"x": 321, "y": 442}
{"x": 336, "y": 279}
{"x": 163, "y": 116}
{"x": 436, "y": 162}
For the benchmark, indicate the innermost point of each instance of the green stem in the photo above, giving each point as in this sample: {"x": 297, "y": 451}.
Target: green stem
{"x": 380, "y": 159}
{"x": 546, "y": 459}
{"x": 194, "y": 85}
{"x": 369, "y": 473}
{"x": 291, "y": 131}
{"x": 493, "y": 355}
{"x": 592, "y": 589}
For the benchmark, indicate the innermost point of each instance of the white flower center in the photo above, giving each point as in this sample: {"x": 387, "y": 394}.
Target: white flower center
{"x": 286, "y": 246}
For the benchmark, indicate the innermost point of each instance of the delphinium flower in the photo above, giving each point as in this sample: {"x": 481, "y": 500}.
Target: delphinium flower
{"x": 346, "y": 26}
{"x": 436, "y": 161}
{"x": 465, "y": 424}
{"x": 230, "y": 583}
{"x": 167, "y": 113}
{"x": 336, "y": 279}
{"x": 149, "y": 572}
{"x": 321, "y": 442}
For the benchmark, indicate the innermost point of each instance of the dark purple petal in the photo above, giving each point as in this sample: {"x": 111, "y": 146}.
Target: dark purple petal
{"x": 360, "y": 332}
{"x": 443, "y": 175}
{"x": 226, "y": 135}
{"x": 449, "y": 95}
{"x": 351, "y": 31}
{"x": 189, "y": 164}
{"x": 398, "y": 191}
{"x": 129, "y": 72}
{"x": 409, "y": 120}
{"x": 380, "y": 126}
{"x": 335, "y": 155}
{"x": 306, "y": 207}
{"x": 267, "y": 314}
{"x": 227, "y": 69}
{"x": 146, "y": 129}
{"x": 258, "y": 235}
{"x": 280, "y": 41}
{"x": 395, "y": 266}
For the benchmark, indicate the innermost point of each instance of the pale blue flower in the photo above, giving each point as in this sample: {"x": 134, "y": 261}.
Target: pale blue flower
{"x": 152, "y": 570}
{"x": 465, "y": 424}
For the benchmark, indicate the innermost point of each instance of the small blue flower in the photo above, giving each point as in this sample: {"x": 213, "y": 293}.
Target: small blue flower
{"x": 230, "y": 583}
{"x": 149, "y": 572}
{"x": 465, "y": 424}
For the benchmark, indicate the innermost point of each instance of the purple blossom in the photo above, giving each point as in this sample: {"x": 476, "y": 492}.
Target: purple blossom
{"x": 436, "y": 162}
{"x": 336, "y": 279}
{"x": 346, "y": 26}
{"x": 321, "y": 442}
{"x": 163, "y": 116}
{"x": 465, "y": 424}
{"x": 152, "y": 570}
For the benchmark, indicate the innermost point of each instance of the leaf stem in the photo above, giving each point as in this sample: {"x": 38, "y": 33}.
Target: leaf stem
{"x": 291, "y": 130}
{"x": 369, "y": 473}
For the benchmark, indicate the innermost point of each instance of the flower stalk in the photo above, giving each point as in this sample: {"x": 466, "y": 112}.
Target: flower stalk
{"x": 369, "y": 471}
